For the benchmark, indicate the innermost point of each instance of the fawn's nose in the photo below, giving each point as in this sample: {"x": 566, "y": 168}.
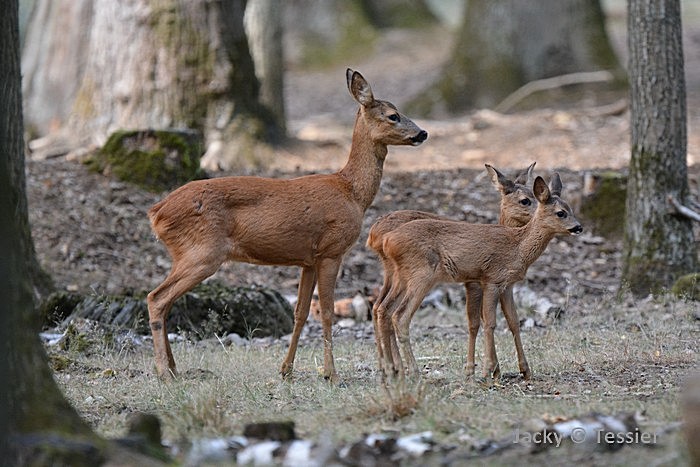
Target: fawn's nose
{"x": 420, "y": 137}
{"x": 576, "y": 230}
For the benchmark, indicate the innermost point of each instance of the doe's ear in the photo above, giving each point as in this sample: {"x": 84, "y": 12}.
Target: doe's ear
{"x": 499, "y": 180}
{"x": 541, "y": 190}
{"x": 359, "y": 87}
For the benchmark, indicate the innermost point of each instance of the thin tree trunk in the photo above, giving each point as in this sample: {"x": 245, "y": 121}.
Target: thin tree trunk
{"x": 658, "y": 244}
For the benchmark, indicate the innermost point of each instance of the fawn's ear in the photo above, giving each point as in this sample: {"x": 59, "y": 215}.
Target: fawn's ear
{"x": 359, "y": 88}
{"x": 541, "y": 190}
{"x": 499, "y": 180}
{"x": 555, "y": 184}
{"x": 526, "y": 177}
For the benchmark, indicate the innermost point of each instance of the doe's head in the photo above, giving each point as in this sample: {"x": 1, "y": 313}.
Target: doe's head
{"x": 387, "y": 125}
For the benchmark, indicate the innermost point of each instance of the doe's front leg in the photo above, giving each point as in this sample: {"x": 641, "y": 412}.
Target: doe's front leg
{"x": 327, "y": 272}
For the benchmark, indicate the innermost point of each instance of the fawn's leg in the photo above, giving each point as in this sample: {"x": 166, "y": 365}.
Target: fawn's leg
{"x": 403, "y": 314}
{"x": 473, "y": 309}
{"x": 301, "y": 313}
{"x": 392, "y": 363}
{"x": 386, "y": 285}
{"x": 490, "y": 295}
{"x": 511, "y": 314}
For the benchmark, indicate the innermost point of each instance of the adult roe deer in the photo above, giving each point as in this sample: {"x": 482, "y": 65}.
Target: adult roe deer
{"x": 517, "y": 206}
{"x": 424, "y": 253}
{"x": 310, "y": 222}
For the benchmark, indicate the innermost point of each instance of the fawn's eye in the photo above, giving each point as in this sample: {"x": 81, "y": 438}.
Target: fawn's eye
{"x": 562, "y": 214}
{"x": 394, "y": 117}
{"x": 525, "y": 202}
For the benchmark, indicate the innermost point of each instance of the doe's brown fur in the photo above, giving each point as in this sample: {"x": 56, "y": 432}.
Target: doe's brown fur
{"x": 309, "y": 222}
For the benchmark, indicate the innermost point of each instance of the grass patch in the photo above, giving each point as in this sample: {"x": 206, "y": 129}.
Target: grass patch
{"x": 615, "y": 357}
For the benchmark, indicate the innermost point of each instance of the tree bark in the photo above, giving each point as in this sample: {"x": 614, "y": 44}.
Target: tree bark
{"x": 263, "y": 25}
{"x": 147, "y": 64}
{"x": 659, "y": 245}
{"x": 32, "y": 403}
{"x": 504, "y": 44}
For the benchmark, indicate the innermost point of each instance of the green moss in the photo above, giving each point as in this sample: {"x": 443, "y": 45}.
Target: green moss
{"x": 195, "y": 61}
{"x": 74, "y": 340}
{"x": 154, "y": 160}
{"x": 644, "y": 276}
{"x": 83, "y": 105}
{"x": 59, "y": 362}
{"x": 605, "y": 207}
{"x": 687, "y": 286}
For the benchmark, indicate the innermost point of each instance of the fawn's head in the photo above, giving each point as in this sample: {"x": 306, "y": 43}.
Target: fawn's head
{"x": 553, "y": 212}
{"x": 386, "y": 124}
{"x": 518, "y": 203}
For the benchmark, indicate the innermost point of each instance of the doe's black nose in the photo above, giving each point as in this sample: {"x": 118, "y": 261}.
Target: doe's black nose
{"x": 576, "y": 230}
{"x": 420, "y": 137}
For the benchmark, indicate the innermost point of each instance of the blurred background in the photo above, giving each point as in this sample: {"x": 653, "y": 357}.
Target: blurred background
{"x": 251, "y": 74}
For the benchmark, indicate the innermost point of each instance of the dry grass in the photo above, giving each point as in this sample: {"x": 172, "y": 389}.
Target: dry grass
{"x": 614, "y": 356}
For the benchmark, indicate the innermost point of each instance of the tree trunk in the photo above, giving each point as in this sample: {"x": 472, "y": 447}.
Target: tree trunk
{"x": 263, "y": 24}
{"x": 504, "y": 44}
{"x": 147, "y": 64}
{"x": 658, "y": 244}
{"x": 32, "y": 403}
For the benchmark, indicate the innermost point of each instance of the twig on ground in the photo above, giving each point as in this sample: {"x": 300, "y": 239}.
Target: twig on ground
{"x": 685, "y": 211}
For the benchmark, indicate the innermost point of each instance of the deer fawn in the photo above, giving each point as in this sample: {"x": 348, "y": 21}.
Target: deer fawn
{"x": 310, "y": 222}
{"x": 516, "y": 209}
{"x": 424, "y": 253}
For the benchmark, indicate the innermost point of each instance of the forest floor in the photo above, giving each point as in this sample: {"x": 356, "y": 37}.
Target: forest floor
{"x": 92, "y": 234}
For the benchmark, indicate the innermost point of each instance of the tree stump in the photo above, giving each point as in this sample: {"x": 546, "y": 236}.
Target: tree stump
{"x": 208, "y": 309}
{"x": 156, "y": 160}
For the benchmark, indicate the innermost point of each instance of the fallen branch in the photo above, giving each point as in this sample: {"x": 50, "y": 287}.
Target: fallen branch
{"x": 552, "y": 83}
{"x": 687, "y": 212}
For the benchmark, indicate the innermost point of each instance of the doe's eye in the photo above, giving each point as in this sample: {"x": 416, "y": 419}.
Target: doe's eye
{"x": 562, "y": 214}
{"x": 525, "y": 202}
{"x": 394, "y": 117}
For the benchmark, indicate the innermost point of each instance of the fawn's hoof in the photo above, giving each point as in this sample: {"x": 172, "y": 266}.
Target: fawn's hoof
{"x": 332, "y": 378}
{"x": 167, "y": 374}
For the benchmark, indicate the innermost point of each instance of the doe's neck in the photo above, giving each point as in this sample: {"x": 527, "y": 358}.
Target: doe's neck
{"x": 364, "y": 167}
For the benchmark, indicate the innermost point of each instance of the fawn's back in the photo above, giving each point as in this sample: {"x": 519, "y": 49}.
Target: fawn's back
{"x": 516, "y": 207}
{"x": 448, "y": 251}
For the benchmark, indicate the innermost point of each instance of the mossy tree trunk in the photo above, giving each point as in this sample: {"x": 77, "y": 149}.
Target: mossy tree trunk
{"x": 658, "y": 245}
{"x": 32, "y": 403}
{"x": 150, "y": 64}
{"x": 504, "y": 44}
